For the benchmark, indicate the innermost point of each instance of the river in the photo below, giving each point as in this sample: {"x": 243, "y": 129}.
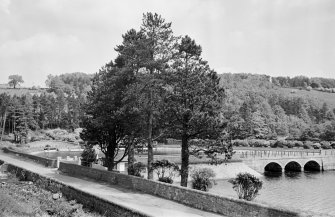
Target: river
{"x": 299, "y": 190}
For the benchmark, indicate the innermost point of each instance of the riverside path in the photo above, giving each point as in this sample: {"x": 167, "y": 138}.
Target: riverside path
{"x": 135, "y": 200}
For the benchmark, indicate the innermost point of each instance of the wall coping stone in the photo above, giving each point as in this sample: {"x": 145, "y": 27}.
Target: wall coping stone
{"x": 48, "y": 162}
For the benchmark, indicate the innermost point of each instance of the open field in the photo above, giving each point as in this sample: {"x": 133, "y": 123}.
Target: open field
{"x": 318, "y": 96}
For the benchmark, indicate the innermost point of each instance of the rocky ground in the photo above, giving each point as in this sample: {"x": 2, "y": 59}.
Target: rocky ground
{"x": 21, "y": 198}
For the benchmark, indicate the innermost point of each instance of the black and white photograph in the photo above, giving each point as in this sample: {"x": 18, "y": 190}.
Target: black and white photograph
{"x": 167, "y": 108}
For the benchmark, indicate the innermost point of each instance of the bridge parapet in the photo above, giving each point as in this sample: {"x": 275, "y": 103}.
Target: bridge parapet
{"x": 276, "y": 154}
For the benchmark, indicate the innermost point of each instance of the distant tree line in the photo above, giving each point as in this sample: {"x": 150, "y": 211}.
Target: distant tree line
{"x": 304, "y": 82}
{"x": 59, "y": 107}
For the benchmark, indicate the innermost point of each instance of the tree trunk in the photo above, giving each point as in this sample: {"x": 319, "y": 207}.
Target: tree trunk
{"x": 131, "y": 156}
{"x": 184, "y": 160}
{"x": 150, "y": 148}
{"x": 4, "y": 124}
{"x": 110, "y": 158}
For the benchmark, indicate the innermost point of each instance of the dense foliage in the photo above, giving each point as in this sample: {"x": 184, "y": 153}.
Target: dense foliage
{"x": 88, "y": 156}
{"x": 256, "y": 109}
{"x": 55, "y": 108}
{"x": 202, "y": 178}
{"x": 303, "y": 81}
{"x": 165, "y": 170}
{"x": 246, "y": 185}
{"x": 109, "y": 119}
{"x": 15, "y": 80}
{"x": 136, "y": 169}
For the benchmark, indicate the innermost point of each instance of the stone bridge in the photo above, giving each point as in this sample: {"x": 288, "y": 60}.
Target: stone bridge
{"x": 288, "y": 160}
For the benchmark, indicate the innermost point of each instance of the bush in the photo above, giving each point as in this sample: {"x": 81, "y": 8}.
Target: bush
{"x": 266, "y": 143}
{"x": 290, "y": 144}
{"x": 316, "y": 145}
{"x": 246, "y": 185}
{"x": 253, "y": 143}
{"x": 298, "y": 144}
{"x": 325, "y": 145}
{"x": 280, "y": 144}
{"x": 88, "y": 156}
{"x": 332, "y": 145}
{"x": 259, "y": 143}
{"x": 202, "y": 179}
{"x": 166, "y": 180}
{"x": 272, "y": 143}
{"x": 165, "y": 170}
{"x": 136, "y": 169}
{"x": 256, "y": 143}
{"x": 308, "y": 145}
{"x": 242, "y": 143}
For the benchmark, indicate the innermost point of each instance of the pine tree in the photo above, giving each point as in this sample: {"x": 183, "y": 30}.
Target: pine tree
{"x": 148, "y": 53}
{"x": 193, "y": 100}
{"x": 108, "y": 118}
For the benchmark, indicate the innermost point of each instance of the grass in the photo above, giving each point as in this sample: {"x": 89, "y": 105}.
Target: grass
{"x": 318, "y": 96}
{"x": 20, "y": 91}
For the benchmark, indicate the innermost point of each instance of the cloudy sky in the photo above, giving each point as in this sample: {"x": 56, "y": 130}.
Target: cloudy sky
{"x": 274, "y": 37}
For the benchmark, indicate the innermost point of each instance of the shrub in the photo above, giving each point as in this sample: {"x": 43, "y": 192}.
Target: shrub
{"x": 255, "y": 143}
{"x": 202, "y": 179}
{"x": 88, "y": 156}
{"x": 165, "y": 170}
{"x": 332, "y": 145}
{"x": 166, "y": 180}
{"x": 280, "y": 144}
{"x": 243, "y": 143}
{"x": 308, "y": 145}
{"x": 246, "y": 185}
{"x": 298, "y": 144}
{"x": 260, "y": 143}
{"x": 290, "y": 144}
{"x": 266, "y": 143}
{"x": 136, "y": 169}
{"x": 272, "y": 143}
{"x": 325, "y": 145}
{"x": 316, "y": 145}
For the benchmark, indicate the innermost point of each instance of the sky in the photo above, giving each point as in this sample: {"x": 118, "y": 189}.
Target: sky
{"x": 273, "y": 37}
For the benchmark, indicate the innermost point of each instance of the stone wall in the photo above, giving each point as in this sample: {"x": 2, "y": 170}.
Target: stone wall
{"x": 190, "y": 197}
{"x": 41, "y": 160}
{"x": 89, "y": 201}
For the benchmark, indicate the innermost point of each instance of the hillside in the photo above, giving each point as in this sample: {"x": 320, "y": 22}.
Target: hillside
{"x": 21, "y": 91}
{"x": 240, "y": 85}
{"x": 318, "y": 96}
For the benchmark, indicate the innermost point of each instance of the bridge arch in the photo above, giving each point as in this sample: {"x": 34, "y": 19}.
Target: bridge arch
{"x": 293, "y": 166}
{"x": 312, "y": 165}
{"x": 273, "y": 167}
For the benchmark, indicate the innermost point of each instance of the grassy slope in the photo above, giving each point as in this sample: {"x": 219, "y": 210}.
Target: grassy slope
{"x": 318, "y": 96}
{"x": 20, "y": 91}
{"x": 239, "y": 84}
